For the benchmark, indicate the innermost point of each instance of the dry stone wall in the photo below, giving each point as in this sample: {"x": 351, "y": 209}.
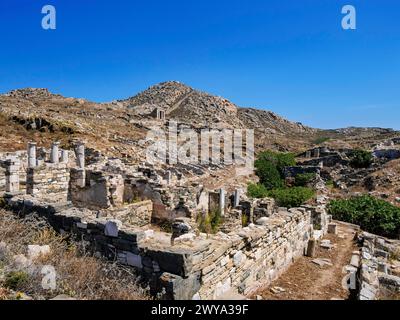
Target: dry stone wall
{"x": 198, "y": 267}
{"x": 378, "y": 277}
{"x": 254, "y": 256}
{"x": 48, "y": 181}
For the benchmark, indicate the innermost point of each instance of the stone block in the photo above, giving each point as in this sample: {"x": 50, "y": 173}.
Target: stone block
{"x": 134, "y": 260}
{"x": 178, "y": 288}
{"x": 332, "y": 228}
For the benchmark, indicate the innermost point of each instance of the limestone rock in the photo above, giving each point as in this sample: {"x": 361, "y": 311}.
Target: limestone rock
{"x": 35, "y": 251}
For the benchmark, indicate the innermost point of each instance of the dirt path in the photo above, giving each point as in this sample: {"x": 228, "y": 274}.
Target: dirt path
{"x": 306, "y": 280}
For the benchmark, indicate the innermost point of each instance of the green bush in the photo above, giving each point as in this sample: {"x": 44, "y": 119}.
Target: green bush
{"x": 371, "y": 214}
{"x": 16, "y": 279}
{"x": 270, "y": 166}
{"x": 330, "y": 184}
{"x": 321, "y": 140}
{"x": 3, "y": 202}
{"x": 302, "y": 179}
{"x": 257, "y": 191}
{"x": 245, "y": 220}
{"x": 210, "y": 223}
{"x": 291, "y": 197}
{"x": 361, "y": 159}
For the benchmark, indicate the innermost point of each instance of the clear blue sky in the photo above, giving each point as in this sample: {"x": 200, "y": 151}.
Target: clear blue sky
{"x": 291, "y": 57}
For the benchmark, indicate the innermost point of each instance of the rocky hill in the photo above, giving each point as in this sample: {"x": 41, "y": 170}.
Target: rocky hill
{"x": 186, "y": 104}
{"x": 117, "y": 127}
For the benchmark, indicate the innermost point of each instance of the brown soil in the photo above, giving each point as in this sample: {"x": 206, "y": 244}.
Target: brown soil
{"x": 305, "y": 280}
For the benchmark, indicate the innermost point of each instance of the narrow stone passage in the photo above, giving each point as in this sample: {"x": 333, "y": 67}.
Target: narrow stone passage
{"x": 306, "y": 280}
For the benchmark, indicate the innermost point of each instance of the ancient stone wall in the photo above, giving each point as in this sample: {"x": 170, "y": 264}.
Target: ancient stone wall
{"x": 138, "y": 213}
{"x": 294, "y": 171}
{"x": 22, "y": 157}
{"x": 387, "y": 153}
{"x": 99, "y": 190}
{"x": 255, "y": 256}
{"x": 377, "y": 279}
{"x": 198, "y": 267}
{"x": 48, "y": 181}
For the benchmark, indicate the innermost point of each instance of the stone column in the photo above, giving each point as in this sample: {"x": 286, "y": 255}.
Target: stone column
{"x": 168, "y": 177}
{"x": 222, "y": 201}
{"x": 80, "y": 154}
{"x": 311, "y": 248}
{"x": 316, "y": 153}
{"x": 54, "y": 155}
{"x": 308, "y": 154}
{"x": 12, "y": 175}
{"x": 236, "y": 198}
{"x": 64, "y": 156}
{"x": 31, "y": 154}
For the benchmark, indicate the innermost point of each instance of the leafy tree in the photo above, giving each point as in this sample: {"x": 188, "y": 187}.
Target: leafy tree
{"x": 302, "y": 179}
{"x": 257, "y": 191}
{"x": 371, "y": 214}
{"x": 291, "y": 197}
{"x": 321, "y": 140}
{"x": 361, "y": 159}
{"x": 270, "y": 168}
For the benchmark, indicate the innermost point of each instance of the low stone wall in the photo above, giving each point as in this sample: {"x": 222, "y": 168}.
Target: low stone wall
{"x": 98, "y": 190}
{"x": 376, "y": 277}
{"x": 196, "y": 267}
{"x": 22, "y": 157}
{"x": 254, "y": 256}
{"x": 139, "y": 213}
{"x": 387, "y": 153}
{"x": 48, "y": 181}
{"x": 294, "y": 171}
{"x": 328, "y": 161}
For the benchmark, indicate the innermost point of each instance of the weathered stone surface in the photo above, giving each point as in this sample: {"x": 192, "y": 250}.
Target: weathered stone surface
{"x": 178, "y": 288}
{"x": 35, "y": 251}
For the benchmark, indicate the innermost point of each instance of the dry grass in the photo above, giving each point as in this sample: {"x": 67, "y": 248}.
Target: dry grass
{"x": 79, "y": 275}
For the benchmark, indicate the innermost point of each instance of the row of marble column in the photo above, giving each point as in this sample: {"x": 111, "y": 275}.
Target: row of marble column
{"x": 13, "y": 164}
{"x": 55, "y": 154}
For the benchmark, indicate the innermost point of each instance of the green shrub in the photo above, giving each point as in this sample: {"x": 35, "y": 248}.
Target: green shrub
{"x": 361, "y": 159}
{"x": 291, "y": 197}
{"x": 330, "y": 184}
{"x": 321, "y": 140}
{"x": 16, "y": 279}
{"x": 245, "y": 220}
{"x": 3, "y": 202}
{"x": 257, "y": 191}
{"x": 302, "y": 179}
{"x": 210, "y": 223}
{"x": 270, "y": 166}
{"x": 371, "y": 214}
